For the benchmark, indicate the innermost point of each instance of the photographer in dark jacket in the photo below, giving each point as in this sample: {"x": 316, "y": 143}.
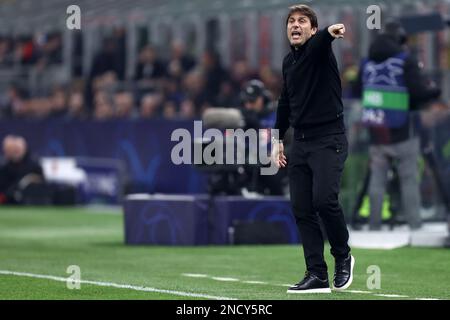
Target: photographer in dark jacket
{"x": 392, "y": 87}
{"x": 259, "y": 114}
{"x": 258, "y": 109}
{"x": 18, "y": 170}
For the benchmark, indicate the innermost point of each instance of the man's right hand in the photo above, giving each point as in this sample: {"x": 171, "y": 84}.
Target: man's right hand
{"x": 278, "y": 154}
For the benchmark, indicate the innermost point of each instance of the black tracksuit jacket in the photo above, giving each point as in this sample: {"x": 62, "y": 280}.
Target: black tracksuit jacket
{"x": 311, "y": 98}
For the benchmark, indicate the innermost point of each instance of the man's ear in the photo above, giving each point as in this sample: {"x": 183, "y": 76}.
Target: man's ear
{"x": 313, "y": 31}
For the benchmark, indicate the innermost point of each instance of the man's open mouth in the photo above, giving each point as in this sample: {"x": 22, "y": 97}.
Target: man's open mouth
{"x": 295, "y": 35}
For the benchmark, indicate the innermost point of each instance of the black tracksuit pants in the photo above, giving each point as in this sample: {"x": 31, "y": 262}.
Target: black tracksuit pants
{"x": 315, "y": 170}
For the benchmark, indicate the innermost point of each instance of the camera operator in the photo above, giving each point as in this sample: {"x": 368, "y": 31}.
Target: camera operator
{"x": 259, "y": 113}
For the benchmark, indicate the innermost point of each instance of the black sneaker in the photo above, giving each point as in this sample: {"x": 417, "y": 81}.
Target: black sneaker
{"x": 343, "y": 274}
{"x": 311, "y": 284}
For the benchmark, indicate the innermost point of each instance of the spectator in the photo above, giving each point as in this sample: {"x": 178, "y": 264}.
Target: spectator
{"x": 187, "y": 110}
{"x": 227, "y": 95}
{"x": 104, "y": 62}
{"x": 150, "y": 67}
{"x": 180, "y": 63}
{"x": 25, "y": 51}
{"x": 76, "y": 106}
{"x": 58, "y": 103}
{"x": 39, "y": 107}
{"x": 103, "y": 108}
{"x": 240, "y": 74}
{"x": 173, "y": 92}
{"x": 271, "y": 80}
{"x": 119, "y": 36}
{"x": 6, "y": 57}
{"x": 124, "y": 105}
{"x": 194, "y": 86}
{"x": 13, "y": 102}
{"x": 169, "y": 110}
{"x": 107, "y": 81}
{"x": 48, "y": 49}
{"x": 18, "y": 170}
{"x": 110, "y": 57}
{"x": 150, "y": 105}
{"x": 53, "y": 49}
{"x": 214, "y": 75}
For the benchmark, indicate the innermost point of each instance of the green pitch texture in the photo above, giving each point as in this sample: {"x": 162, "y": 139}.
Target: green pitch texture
{"x": 45, "y": 241}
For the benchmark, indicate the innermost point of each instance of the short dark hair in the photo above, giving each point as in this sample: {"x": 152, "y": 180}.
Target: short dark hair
{"x": 395, "y": 30}
{"x": 306, "y": 10}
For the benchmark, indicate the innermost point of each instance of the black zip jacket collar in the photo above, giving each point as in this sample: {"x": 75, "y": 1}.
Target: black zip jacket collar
{"x": 311, "y": 101}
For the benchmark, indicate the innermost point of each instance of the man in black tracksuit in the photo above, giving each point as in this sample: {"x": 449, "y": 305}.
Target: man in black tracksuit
{"x": 311, "y": 103}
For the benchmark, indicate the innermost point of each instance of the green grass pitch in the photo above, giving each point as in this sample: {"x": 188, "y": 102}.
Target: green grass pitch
{"x": 45, "y": 241}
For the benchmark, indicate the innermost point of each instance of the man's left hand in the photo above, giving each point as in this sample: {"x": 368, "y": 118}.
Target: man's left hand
{"x": 337, "y": 30}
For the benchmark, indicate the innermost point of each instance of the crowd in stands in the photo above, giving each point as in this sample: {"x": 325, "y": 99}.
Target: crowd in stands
{"x": 42, "y": 50}
{"x": 174, "y": 86}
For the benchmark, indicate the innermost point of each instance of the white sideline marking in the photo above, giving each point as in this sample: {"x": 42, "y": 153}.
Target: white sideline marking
{"x": 357, "y": 291}
{"x": 224, "y": 279}
{"x": 254, "y": 282}
{"x": 390, "y": 295}
{"x": 194, "y": 275}
{"x": 114, "y": 285}
{"x": 197, "y": 275}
